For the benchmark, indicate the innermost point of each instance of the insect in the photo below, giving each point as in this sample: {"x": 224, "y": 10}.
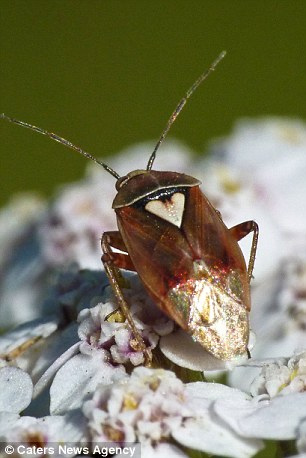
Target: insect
{"x": 190, "y": 263}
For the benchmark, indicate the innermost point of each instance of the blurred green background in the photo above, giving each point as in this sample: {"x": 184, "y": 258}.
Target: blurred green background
{"x": 106, "y": 74}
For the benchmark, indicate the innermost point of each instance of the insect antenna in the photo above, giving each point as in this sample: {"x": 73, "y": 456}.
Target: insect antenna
{"x": 63, "y": 141}
{"x": 181, "y": 105}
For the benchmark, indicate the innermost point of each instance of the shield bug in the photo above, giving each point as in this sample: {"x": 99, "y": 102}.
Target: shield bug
{"x": 188, "y": 260}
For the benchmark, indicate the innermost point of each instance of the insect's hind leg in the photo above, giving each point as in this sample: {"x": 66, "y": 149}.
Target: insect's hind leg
{"x": 239, "y": 232}
{"x": 112, "y": 262}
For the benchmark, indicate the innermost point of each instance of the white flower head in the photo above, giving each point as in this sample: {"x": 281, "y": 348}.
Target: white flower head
{"x": 270, "y": 152}
{"x": 138, "y": 409}
{"x": 154, "y": 407}
{"x": 75, "y": 222}
{"x": 292, "y": 296}
{"x": 105, "y": 327}
{"x": 279, "y": 308}
{"x": 46, "y": 433}
{"x": 282, "y": 378}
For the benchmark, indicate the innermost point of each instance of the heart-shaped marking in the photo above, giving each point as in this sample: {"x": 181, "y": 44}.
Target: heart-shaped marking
{"x": 170, "y": 210}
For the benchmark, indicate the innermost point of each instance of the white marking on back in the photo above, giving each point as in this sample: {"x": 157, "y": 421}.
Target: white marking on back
{"x": 170, "y": 210}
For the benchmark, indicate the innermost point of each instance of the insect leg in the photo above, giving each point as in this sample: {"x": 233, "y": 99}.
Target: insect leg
{"x": 115, "y": 240}
{"x": 112, "y": 263}
{"x": 241, "y": 230}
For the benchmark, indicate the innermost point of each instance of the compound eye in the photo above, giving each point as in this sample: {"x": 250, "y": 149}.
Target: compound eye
{"x": 121, "y": 182}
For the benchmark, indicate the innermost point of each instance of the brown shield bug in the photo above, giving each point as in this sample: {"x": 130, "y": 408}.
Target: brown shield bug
{"x": 189, "y": 262}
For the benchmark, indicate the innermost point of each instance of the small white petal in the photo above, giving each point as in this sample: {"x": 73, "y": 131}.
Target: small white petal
{"x": 51, "y": 371}
{"x": 205, "y": 435}
{"x": 54, "y": 349}
{"x": 78, "y": 378}
{"x": 214, "y": 391}
{"x": 202, "y": 395}
{"x": 16, "y": 389}
{"x": 278, "y": 420}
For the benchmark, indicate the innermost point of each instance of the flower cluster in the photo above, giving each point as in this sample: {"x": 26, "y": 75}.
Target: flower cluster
{"x": 282, "y": 377}
{"x": 71, "y": 371}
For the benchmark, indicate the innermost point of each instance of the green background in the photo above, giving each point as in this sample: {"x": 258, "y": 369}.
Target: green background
{"x": 106, "y": 74}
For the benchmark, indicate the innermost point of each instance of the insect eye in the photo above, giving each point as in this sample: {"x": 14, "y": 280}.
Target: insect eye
{"x": 121, "y": 182}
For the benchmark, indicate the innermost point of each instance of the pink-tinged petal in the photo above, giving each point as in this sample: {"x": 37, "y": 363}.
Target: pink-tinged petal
{"x": 16, "y": 389}
{"x": 278, "y": 420}
{"x": 183, "y": 351}
{"x": 78, "y": 378}
{"x": 205, "y": 435}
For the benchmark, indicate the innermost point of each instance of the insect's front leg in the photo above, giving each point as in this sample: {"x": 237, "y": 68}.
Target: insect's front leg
{"x": 112, "y": 262}
{"x": 239, "y": 232}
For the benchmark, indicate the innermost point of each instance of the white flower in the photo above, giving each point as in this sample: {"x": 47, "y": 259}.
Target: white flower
{"x": 47, "y": 432}
{"x": 103, "y": 347}
{"x": 78, "y": 378}
{"x": 271, "y": 154}
{"x": 154, "y": 407}
{"x": 93, "y": 356}
{"x": 104, "y": 326}
{"x": 282, "y": 378}
{"x": 105, "y": 350}
{"x": 279, "y": 391}
{"x": 262, "y": 418}
{"x": 75, "y": 223}
{"x": 279, "y": 309}
{"x": 278, "y": 314}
